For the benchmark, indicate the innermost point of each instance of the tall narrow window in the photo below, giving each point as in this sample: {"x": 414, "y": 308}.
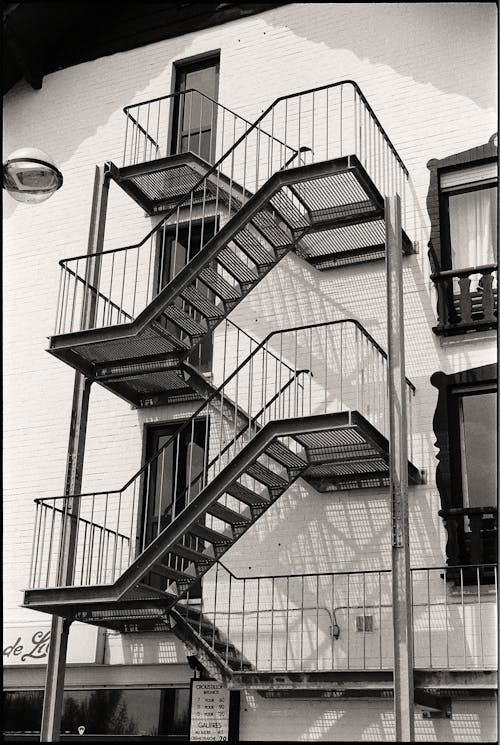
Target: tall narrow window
{"x": 474, "y": 447}
{"x": 194, "y": 120}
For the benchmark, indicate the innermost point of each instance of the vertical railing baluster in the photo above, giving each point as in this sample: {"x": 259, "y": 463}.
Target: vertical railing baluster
{"x": 272, "y": 625}
{"x": 380, "y": 621}
{"x": 429, "y": 626}
{"x": 257, "y": 626}
{"x": 302, "y": 624}
{"x": 228, "y": 636}
{"x": 348, "y": 603}
{"x": 317, "y": 622}
{"x": 116, "y": 536}
{"x": 243, "y": 624}
{"x": 36, "y": 534}
{"x": 215, "y": 603}
{"x": 286, "y": 620}
{"x": 481, "y": 645}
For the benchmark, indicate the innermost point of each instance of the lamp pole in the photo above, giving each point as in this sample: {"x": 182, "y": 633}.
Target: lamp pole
{"x": 398, "y": 472}
{"x": 56, "y": 663}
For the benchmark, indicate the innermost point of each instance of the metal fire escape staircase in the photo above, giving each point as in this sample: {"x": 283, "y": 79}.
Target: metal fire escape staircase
{"x": 304, "y": 424}
{"x": 265, "y": 199}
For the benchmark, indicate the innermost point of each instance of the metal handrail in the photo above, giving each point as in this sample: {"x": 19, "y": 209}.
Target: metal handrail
{"x": 237, "y": 370}
{"x": 184, "y": 93}
{"x": 253, "y": 127}
{"x": 449, "y": 273}
{"x": 353, "y": 572}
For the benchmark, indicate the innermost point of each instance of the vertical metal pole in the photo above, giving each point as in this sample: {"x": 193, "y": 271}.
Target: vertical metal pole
{"x": 56, "y": 663}
{"x": 398, "y": 471}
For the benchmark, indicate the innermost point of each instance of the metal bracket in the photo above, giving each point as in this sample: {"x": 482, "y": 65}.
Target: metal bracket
{"x": 435, "y": 707}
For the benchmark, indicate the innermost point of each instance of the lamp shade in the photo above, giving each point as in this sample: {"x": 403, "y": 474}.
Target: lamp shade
{"x": 31, "y": 176}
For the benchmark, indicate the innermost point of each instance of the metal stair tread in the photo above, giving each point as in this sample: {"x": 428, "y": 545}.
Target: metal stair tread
{"x": 196, "y": 557}
{"x": 269, "y": 226}
{"x": 266, "y": 476}
{"x": 213, "y": 536}
{"x": 221, "y": 512}
{"x": 213, "y": 280}
{"x": 173, "y": 574}
{"x": 236, "y": 267}
{"x": 201, "y": 303}
{"x": 279, "y": 452}
{"x": 184, "y": 321}
{"x": 251, "y": 246}
{"x": 249, "y": 497}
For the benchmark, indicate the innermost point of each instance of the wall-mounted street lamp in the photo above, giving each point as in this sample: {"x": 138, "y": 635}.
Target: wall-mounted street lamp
{"x": 31, "y": 176}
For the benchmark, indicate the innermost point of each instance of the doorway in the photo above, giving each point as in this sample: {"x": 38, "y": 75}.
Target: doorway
{"x": 194, "y": 119}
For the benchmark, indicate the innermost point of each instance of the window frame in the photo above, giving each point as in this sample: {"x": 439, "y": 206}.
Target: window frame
{"x": 444, "y": 195}
{"x": 179, "y": 69}
{"x": 482, "y": 314}
{"x": 448, "y": 471}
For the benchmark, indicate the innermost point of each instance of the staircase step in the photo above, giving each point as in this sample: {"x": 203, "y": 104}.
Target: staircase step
{"x": 238, "y": 491}
{"x": 270, "y": 228}
{"x": 184, "y": 321}
{"x": 289, "y": 211}
{"x": 279, "y": 452}
{"x": 236, "y": 267}
{"x": 173, "y": 574}
{"x": 213, "y": 280}
{"x": 251, "y": 246}
{"x": 201, "y": 303}
{"x": 145, "y": 591}
{"x": 207, "y": 534}
{"x": 266, "y": 477}
{"x": 222, "y": 512}
{"x": 190, "y": 554}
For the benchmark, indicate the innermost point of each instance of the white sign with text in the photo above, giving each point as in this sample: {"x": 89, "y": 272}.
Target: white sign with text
{"x": 209, "y": 711}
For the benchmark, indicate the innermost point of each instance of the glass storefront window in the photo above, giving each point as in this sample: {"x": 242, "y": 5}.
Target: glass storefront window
{"x": 140, "y": 712}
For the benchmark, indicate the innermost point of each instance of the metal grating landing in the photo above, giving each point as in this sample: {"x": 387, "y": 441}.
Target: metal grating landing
{"x": 353, "y": 455}
{"x": 159, "y": 184}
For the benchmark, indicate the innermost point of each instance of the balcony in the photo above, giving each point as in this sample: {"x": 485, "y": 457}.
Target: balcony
{"x": 338, "y": 626}
{"x": 467, "y": 300}
{"x": 472, "y": 541}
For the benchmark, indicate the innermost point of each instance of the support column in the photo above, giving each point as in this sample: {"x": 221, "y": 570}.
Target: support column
{"x": 398, "y": 471}
{"x": 56, "y": 663}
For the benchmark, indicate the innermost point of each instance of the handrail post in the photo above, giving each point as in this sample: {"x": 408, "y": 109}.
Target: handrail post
{"x": 398, "y": 472}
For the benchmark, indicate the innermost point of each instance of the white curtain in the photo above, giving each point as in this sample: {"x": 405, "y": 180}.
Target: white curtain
{"x": 473, "y": 227}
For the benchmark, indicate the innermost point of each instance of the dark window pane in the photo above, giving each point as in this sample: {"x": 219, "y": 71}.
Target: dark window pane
{"x": 479, "y": 447}
{"x": 175, "y": 714}
{"x": 22, "y": 711}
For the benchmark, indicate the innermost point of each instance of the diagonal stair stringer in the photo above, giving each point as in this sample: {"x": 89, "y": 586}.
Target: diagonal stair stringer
{"x": 201, "y": 260}
{"x": 105, "y": 595}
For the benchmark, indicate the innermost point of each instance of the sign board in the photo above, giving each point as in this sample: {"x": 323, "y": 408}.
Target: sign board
{"x": 209, "y": 711}
{"x": 28, "y": 644}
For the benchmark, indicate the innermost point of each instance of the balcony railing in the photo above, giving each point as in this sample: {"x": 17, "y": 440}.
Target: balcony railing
{"x": 321, "y": 124}
{"x": 343, "y": 621}
{"x": 472, "y": 536}
{"x": 308, "y": 370}
{"x": 185, "y": 121}
{"x": 467, "y": 299}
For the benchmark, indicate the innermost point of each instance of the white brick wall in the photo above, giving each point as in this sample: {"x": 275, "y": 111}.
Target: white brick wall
{"x": 428, "y": 72}
{"x": 372, "y": 720}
